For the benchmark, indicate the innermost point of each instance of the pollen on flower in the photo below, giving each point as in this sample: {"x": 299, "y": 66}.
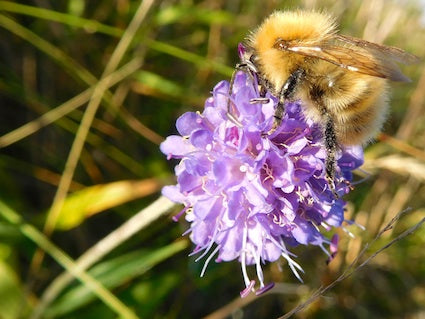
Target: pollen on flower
{"x": 248, "y": 195}
{"x": 243, "y": 168}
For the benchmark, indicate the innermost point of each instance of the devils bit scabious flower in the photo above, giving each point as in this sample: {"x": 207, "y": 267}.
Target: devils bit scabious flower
{"x": 249, "y": 195}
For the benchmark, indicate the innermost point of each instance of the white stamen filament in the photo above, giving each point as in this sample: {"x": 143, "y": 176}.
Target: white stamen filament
{"x": 291, "y": 263}
{"x": 210, "y": 244}
{"x": 348, "y": 232}
{"x": 325, "y": 250}
{"x": 260, "y": 274}
{"x": 243, "y": 257}
{"x": 209, "y": 259}
{"x": 325, "y": 226}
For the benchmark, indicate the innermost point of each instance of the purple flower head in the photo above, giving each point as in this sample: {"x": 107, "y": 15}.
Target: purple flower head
{"x": 249, "y": 195}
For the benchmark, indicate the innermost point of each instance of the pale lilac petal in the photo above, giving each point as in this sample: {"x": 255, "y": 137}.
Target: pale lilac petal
{"x": 188, "y": 122}
{"x": 175, "y": 146}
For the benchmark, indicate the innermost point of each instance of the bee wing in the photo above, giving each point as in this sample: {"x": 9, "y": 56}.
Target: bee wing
{"x": 357, "y": 55}
{"x": 387, "y": 52}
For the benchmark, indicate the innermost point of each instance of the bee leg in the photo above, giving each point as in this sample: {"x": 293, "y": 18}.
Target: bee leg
{"x": 278, "y": 114}
{"x": 248, "y": 68}
{"x": 262, "y": 99}
{"x": 331, "y": 149}
{"x": 259, "y": 100}
{"x": 263, "y": 90}
{"x": 287, "y": 92}
{"x": 230, "y": 112}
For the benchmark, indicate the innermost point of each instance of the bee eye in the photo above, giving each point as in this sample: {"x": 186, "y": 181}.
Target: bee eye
{"x": 280, "y": 44}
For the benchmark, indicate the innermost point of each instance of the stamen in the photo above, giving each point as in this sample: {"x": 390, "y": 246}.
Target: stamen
{"x": 187, "y": 232}
{"x": 178, "y": 215}
{"x": 348, "y": 232}
{"x": 325, "y": 226}
{"x": 207, "y": 249}
{"x": 352, "y": 222}
{"x": 211, "y": 242}
{"x": 209, "y": 259}
{"x": 264, "y": 289}
{"x": 248, "y": 289}
{"x": 282, "y": 246}
{"x": 325, "y": 250}
{"x": 333, "y": 248}
{"x": 258, "y": 267}
{"x": 291, "y": 263}
{"x": 334, "y": 243}
{"x": 243, "y": 257}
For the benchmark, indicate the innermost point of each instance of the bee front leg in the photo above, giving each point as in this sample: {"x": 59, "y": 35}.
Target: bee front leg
{"x": 278, "y": 114}
{"x": 230, "y": 107}
{"x": 287, "y": 92}
{"x": 247, "y": 66}
{"x": 263, "y": 90}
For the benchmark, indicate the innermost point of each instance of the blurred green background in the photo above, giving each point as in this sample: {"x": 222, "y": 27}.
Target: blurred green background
{"x": 79, "y": 157}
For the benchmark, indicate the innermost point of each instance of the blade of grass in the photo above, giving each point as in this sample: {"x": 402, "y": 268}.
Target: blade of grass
{"x": 188, "y": 56}
{"x": 93, "y": 139}
{"x": 67, "y": 107}
{"x": 73, "y": 68}
{"x": 402, "y": 146}
{"x": 65, "y": 261}
{"x": 139, "y": 221}
{"x": 71, "y": 20}
{"x": 114, "y": 273}
{"x": 95, "y": 199}
{"x": 85, "y": 125}
{"x": 115, "y": 32}
{"x": 357, "y": 265}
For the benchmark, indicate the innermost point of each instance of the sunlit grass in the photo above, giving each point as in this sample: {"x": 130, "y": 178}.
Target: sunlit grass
{"x": 89, "y": 90}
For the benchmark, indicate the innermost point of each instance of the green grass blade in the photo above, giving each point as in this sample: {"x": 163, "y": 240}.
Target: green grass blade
{"x": 112, "y": 274}
{"x": 105, "y": 29}
{"x": 69, "y": 64}
{"x": 64, "y": 18}
{"x": 65, "y": 261}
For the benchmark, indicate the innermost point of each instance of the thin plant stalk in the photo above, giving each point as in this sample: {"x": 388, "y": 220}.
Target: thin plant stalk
{"x": 66, "y": 262}
{"x": 67, "y": 107}
{"x": 103, "y": 247}
{"x": 85, "y": 125}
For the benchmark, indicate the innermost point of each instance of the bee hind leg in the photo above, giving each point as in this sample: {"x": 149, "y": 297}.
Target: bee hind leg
{"x": 331, "y": 149}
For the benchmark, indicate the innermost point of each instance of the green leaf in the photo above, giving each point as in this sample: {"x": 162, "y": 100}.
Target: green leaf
{"x": 95, "y": 199}
{"x": 64, "y": 18}
{"x": 174, "y": 14}
{"x": 113, "y": 273}
{"x": 159, "y": 83}
{"x": 151, "y": 294}
{"x": 9, "y": 232}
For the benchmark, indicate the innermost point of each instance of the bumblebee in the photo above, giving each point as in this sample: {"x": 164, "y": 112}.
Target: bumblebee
{"x": 342, "y": 81}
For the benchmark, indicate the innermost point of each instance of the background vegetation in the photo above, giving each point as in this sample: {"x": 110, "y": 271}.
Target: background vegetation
{"x": 88, "y": 90}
